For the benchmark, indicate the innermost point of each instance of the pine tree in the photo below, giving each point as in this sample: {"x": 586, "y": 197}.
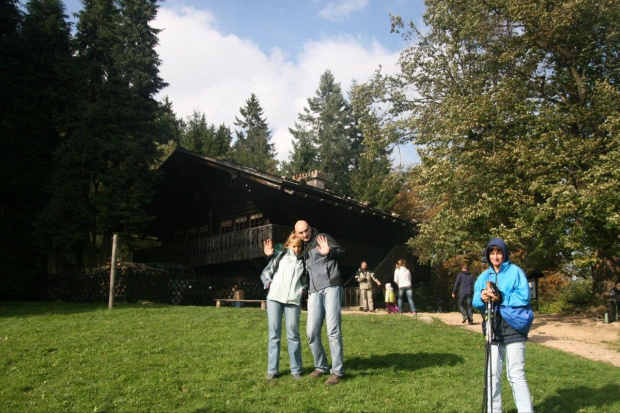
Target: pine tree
{"x": 40, "y": 90}
{"x": 103, "y": 178}
{"x": 200, "y": 137}
{"x": 304, "y": 156}
{"x": 171, "y": 128}
{"x": 252, "y": 146}
{"x": 327, "y": 128}
{"x": 372, "y": 178}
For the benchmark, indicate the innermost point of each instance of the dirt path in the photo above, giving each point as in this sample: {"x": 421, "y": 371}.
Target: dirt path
{"x": 575, "y": 334}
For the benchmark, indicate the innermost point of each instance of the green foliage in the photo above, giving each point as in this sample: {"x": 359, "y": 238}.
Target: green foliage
{"x": 372, "y": 179}
{"x": 205, "y": 139}
{"x": 579, "y": 291}
{"x": 326, "y": 137}
{"x": 37, "y": 77}
{"x": 84, "y": 357}
{"x": 253, "y": 148}
{"x": 514, "y": 106}
{"x": 102, "y": 176}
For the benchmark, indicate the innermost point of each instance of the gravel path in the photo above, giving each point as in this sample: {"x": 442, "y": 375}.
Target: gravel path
{"x": 575, "y": 334}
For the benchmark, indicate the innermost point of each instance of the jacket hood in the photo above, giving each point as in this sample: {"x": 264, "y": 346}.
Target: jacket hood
{"x": 497, "y": 242}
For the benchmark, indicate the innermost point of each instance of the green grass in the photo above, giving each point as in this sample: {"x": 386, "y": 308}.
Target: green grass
{"x": 58, "y": 357}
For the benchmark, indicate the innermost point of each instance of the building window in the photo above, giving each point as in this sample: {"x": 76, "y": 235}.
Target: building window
{"x": 241, "y": 223}
{"x": 226, "y": 226}
{"x": 256, "y": 220}
{"x": 203, "y": 232}
{"x": 179, "y": 236}
{"x": 192, "y": 234}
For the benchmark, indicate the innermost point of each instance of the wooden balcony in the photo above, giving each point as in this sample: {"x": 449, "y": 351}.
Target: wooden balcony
{"x": 216, "y": 249}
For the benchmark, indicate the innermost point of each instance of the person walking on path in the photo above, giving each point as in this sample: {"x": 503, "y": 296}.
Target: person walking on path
{"x": 285, "y": 279}
{"x": 366, "y": 278}
{"x": 465, "y": 285}
{"x": 325, "y": 298}
{"x": 512, "y": 318}
{"x": 402, "y": 278}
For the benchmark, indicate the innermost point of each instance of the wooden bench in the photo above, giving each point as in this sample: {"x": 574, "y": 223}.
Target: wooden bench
{"x": 219, "y": 301}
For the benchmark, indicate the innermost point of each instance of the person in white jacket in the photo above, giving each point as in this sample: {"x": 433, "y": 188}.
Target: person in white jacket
{"x": 285, "y": 279}
{"x": 402, "y": 278}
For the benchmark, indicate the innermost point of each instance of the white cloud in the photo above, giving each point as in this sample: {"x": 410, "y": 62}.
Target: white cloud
{"x": 216, "y": 73}
{"x": 342, "y": 9}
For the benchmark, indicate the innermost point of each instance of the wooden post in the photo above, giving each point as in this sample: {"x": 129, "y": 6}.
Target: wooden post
{"x": 113, "y": 272}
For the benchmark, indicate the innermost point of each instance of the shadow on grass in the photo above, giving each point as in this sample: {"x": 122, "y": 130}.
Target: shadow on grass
{"x": 41, "y": 308}
{"x": 374, "y": 364}
{"x": 579, "y": 398}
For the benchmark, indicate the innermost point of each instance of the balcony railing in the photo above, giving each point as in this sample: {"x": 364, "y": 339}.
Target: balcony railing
{"x": 216, "y": 249}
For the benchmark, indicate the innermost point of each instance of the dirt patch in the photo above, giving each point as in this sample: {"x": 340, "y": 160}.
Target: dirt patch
{"x": 576, "y": 334}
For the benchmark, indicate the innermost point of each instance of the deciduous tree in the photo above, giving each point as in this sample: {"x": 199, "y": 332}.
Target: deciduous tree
{"x": 515, "y": 107}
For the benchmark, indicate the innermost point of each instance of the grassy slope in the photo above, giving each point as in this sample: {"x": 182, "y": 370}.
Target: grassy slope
{"x": 83, "y": 357}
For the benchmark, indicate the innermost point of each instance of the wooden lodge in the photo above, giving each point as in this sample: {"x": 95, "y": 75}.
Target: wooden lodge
{"x": 213, "y": 215}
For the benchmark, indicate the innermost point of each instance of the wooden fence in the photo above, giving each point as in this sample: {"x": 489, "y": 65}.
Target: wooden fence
{"x": 136, "y": 282}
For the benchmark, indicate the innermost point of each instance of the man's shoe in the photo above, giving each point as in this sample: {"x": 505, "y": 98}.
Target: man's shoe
{"x": 273, "y": 376}
{"x": 464, "y": 319}
{"x": 316, "y": 373}
{"x": 471, "y": 323}
{"x": 296, "y": 376}
{"x": 414, "y": 312}
{"x": 333, "y": 379}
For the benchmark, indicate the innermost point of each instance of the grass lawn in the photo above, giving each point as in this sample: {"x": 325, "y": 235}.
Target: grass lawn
{"x": 59, "y": 357}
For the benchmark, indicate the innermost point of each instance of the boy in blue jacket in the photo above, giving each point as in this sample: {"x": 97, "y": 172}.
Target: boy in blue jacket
{"x": 511, "y": 323}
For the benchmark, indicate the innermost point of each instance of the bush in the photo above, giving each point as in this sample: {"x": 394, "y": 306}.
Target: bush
{"x": 576, "y": 291}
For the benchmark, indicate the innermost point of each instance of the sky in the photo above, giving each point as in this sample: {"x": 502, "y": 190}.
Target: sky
{"x": 216, "y": 53}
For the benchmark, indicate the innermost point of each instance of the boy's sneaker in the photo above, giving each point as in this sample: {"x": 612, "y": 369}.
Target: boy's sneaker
{"x": 296, "y": 376}
{"x": 414, "y": 312}
{"x": 316, "y": 373}
{"x": 273, "y": 376}
{"x": 333, "y": 379}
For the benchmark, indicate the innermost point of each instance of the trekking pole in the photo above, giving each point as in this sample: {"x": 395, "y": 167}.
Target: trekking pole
{"x": 488, "y": 383}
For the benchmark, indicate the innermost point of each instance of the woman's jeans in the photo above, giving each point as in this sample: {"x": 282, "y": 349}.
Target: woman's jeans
{"x": 405, "y": 290}
{"x": 514, "y": 355}
{"x": 291, "y": 313}
{"x": 326, "y": 305}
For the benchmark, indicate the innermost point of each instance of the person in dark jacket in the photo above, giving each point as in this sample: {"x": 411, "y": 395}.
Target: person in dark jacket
{"x": 512, "y": 318}
{"x": 465, "y": 285}
{"x": 325, "y": 298}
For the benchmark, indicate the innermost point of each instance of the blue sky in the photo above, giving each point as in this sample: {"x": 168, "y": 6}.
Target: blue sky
{"x": 216, "y": 53}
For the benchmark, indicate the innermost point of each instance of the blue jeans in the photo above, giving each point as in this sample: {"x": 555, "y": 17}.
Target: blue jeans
{"x": 514, "y": 355}
{"x": 291, "y": 313}
{"x": 326, "y": 305}
{"x": 401, "y": 292}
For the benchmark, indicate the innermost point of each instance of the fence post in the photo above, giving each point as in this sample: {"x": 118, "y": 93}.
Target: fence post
{"x": 113, "y": 272}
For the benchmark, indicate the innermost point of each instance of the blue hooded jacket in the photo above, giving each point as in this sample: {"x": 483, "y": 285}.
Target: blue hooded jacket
{"x": 512, "y": 283}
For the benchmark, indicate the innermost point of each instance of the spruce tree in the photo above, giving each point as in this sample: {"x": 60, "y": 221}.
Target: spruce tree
{"x": 252, "y": 146}
{"x": 304, "y": 156}
{"x": 372, "y": 178}
{"x": 198, "y": 136}
{"x": 327, "y": 126}
{"x": 103, "y": 178}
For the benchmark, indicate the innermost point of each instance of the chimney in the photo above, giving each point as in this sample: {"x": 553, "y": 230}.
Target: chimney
{"x": 314, "y": 178}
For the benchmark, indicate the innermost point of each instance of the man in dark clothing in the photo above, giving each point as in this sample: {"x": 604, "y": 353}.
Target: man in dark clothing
{"x": 465, "y": 284}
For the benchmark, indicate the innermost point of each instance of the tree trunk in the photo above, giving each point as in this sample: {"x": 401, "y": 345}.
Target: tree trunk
{"x": 604, "y": 276}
